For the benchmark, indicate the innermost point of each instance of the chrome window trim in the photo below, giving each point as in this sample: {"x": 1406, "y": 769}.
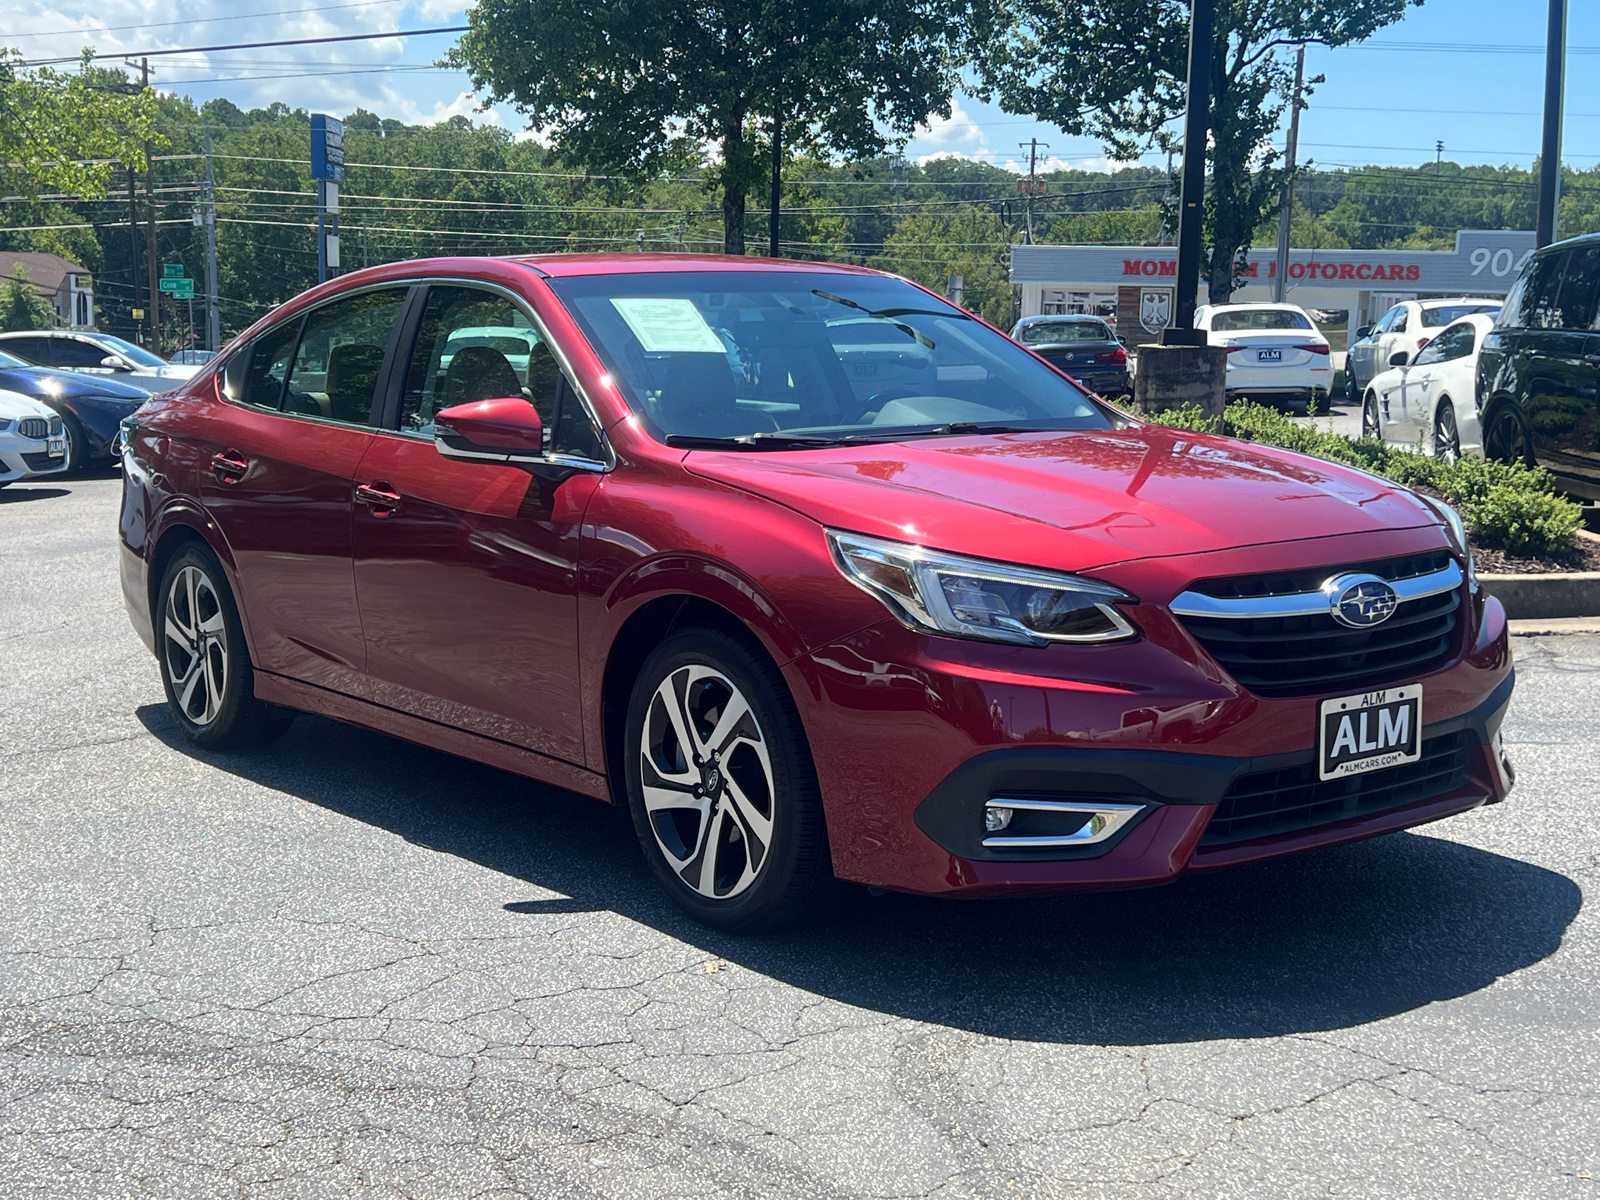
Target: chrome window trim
{"x": 1106, "y": 819}
{"x": 1306, "y": 604}
{"x": 560, "y": 355}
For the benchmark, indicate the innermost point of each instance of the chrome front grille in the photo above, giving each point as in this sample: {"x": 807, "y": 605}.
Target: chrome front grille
{"x": 1287, "y": 643}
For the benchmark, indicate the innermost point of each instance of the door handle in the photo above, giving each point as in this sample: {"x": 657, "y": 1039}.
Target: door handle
{"x": 229, "y": 466}
{"x": 379, "y": 496}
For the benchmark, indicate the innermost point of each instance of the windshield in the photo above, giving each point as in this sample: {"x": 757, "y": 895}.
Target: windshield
{"x": 1259, "y": 318}
{"x": 1057, "y": 333}
{"x": 1449, "y": 314}
{"x": 774, "y": 357}
{"x": 137, "y": 355}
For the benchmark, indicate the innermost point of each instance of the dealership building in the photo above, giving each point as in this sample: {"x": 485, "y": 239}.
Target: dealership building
{"x": 1133, "y": 285}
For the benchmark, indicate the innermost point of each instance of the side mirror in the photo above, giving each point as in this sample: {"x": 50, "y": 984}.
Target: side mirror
{"x": 115, "y": 362}
{"x": 1363, "y": 331}
{"x": 1399, "y": 358}
{"x": 507, "y": 429}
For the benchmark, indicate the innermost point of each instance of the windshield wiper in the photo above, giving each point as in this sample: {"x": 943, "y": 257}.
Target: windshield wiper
{"x": 888, "y": 314}
{"x": 761, "y": 440}
{"x": 778, "y": 440}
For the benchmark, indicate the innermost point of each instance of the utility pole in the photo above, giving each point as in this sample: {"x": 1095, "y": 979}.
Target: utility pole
{"x": 213, "y": 311}
{"x": 1191, "y": 200}
{"x": 777, "y": 176}
{"x": 151, "y": 251}
{"x": 1032, "y": 147}
{"x": 1438, "y": 156}
{"x": 366, "y": 259}
{"x": 1555, "y": 63}
{"x": 133, "y": 251}
{"x": 1280, "y": 282}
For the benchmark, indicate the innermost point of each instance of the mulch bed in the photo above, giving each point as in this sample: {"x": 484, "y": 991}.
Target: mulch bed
{"x": 1585, "y": 556}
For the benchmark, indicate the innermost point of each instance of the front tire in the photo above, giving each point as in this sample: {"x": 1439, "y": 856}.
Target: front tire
{"x": 1369, "y": 417}
{"x": 1446, "y": 437}
{"x": 721, "y": 785}
{"x": 205, "y": 664}
{"x": 77, "y": 444}
{"x": 1505, "y": 436}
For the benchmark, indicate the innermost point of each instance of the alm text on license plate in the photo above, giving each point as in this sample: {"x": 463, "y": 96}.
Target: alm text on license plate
{"x": 1369, "y": 731}
{"x": 56, "y": 447}
{"x": 1269, "y": 355}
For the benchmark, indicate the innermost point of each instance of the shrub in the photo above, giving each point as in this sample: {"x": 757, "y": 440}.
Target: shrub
{"x": 1521, "y": 521}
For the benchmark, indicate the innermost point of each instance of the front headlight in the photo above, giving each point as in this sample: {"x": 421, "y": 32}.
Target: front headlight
{"x": 968, "y": 597}
{"x": 1456, "y": 530}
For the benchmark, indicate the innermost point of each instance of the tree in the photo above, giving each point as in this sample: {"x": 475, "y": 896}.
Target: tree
{"x": 1116, "y": 69}
{"x": 616, "y": 84}
{"x": 61, "y": 131}
{"x": 968, "y": 241}
{"x": 22, "y": 306}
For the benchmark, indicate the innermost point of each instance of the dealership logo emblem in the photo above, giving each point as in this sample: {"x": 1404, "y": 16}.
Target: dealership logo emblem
{"x": 1155, "y": 309}
{"x": 1360, "y": 601}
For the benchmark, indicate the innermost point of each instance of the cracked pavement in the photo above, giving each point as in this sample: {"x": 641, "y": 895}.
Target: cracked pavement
{"x": 347, "y": 966}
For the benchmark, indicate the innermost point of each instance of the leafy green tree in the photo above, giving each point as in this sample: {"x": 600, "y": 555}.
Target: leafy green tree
{"x": 22, "y": 306}
{"x": 1116, "y": 69}
{"x": 968, "y": 241}
{"x": 621, "y": 86}
{"x": 60, "y": 131}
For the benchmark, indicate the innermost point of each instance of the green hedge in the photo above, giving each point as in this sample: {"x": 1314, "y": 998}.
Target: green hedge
{"x": 1507, "y": 506}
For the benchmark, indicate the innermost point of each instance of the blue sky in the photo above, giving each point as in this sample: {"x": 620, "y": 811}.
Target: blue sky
{"x": 1467, "y": 72}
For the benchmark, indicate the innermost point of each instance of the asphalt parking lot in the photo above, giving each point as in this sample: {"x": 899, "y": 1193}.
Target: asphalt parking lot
{"x": 346, "y": 966}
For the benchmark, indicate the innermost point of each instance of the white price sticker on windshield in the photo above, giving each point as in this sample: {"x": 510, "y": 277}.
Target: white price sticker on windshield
{"x": 668, "y": 325}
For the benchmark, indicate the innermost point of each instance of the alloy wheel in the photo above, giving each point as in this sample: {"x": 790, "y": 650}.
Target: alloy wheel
{"x": 195, "y": 645}
{"x": 1446, "y": 437}
{"x": 709, "y": 790}
{"x": 1369, "y": 417}
{"x": 1506, "y": 438}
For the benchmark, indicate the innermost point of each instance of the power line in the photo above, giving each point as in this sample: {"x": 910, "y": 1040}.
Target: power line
{"x": 282, "y": 12}
{"x": 321, "y": 41}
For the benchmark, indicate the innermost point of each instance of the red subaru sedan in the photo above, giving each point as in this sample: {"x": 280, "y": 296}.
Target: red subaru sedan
{"x": 823, "y": 577}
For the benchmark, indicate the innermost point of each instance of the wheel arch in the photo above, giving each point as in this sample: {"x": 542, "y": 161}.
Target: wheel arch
{"x": 644, "y": 629}
{"x": 181, "y": 524}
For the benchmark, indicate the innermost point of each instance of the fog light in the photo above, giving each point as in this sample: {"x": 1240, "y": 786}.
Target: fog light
{"x": 996, "y": 819}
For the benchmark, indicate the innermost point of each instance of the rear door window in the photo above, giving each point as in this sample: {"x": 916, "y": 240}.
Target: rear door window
{"x": 340, "y": 356}
{"x": 1575, "y": 302}
{"x": 1532, "y": 303}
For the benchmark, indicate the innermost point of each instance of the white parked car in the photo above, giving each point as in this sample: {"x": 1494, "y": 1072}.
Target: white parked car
{"x": 1406, "y": 328}
{"x": 1430, "y": 403}
{"x": 95, "y": 353}
{"x": 1275, "y": 352}
{"x": 31, "y": 439}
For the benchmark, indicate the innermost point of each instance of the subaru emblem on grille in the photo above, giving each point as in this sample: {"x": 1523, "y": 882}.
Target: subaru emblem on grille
{"x": 1360, "y": 601}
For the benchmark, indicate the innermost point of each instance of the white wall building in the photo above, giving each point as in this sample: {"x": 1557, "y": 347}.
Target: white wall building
{"x": 1134, "y": 284}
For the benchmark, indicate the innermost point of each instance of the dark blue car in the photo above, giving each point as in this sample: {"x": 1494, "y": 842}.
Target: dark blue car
{"x": 1081, "y": 345}
{"x": 91, "y": 407}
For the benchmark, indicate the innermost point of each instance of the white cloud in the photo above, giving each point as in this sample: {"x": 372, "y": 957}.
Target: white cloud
{"x": 955, "y": 136}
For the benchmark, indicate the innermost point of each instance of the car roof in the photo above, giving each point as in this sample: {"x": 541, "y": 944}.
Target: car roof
{"x": 1441, "y": 301}
{"x": 564, "y": 265}
{"x": 1061, "y": 317}
{"x": 1254, "y": 304}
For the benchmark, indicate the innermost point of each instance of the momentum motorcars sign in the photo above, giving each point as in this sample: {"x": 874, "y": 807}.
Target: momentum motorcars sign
{"x": 1483, "y": 261}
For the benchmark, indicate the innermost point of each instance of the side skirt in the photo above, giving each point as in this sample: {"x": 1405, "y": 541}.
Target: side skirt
{"x": 305, "y": 697}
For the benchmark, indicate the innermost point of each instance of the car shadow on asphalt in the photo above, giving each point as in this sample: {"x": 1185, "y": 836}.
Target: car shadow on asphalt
{"x": 1320, "y": 941}
{"x": 22, "y": 493}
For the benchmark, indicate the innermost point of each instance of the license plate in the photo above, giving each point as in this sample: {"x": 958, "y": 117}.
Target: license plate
{"x": 1370, "y": 731}
{"x": 55, "y": 447}
{"x": 1269, "y": 355}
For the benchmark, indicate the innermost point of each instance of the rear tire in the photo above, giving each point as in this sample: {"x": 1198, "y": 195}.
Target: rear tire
{"x": 205, "y": 663}
{"x": 721, "y": 786}
{"x": 1446, "y": 437}
{"x": 1505, "y": 436}
{"x": 1369, "y": 417}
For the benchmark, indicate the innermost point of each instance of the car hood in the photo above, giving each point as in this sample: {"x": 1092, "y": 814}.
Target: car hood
{"x": 42, "y": 381}
{"x": 14, "y": 406}
{"x": 1072, "y": 501}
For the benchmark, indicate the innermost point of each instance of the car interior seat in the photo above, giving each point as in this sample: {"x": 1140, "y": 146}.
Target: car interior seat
{"x": 352, "y": 378}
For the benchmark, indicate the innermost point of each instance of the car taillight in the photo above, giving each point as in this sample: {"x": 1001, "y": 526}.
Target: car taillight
{"x": 1119, "y": 355}
{"x": 1313, "y": 349}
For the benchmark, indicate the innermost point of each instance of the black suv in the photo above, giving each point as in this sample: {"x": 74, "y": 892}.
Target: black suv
{"x": 1540, "y": 364}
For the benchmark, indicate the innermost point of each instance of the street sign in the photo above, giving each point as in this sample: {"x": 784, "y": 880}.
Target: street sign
{"x": 327, "y": 148}
{"x": 138, "y": 314}
{"x": 179, "y": 289}
{"x": 173, "y": 270}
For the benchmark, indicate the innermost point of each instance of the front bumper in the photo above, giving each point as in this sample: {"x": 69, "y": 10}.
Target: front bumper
{"x": 914, "y": 736}
{"x": 27, "y": 458}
